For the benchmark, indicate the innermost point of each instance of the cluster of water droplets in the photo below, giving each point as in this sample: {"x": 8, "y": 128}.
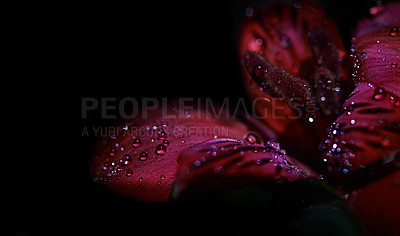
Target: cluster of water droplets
{"x": 391, "y": 31}
{"x": 333, "y": 145}
{"x": 119, "y": 162}
{"x": 380, "y": 93}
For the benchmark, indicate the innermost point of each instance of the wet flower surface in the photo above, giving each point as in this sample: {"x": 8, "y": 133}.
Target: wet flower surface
{"x": 336, "y": 113}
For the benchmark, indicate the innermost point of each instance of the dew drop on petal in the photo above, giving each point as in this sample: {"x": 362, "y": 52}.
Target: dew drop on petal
{"x": 136, "y": 143}
{"x": 394, "y": 32}
{"x": 251, "y": 138}
{"x": 105, "y": 167}
{"x": 162, "y": 135}
{"x": 379, "y": 94}
{"x": 259, "y": 70}
{"x": 129, "y": 172}
{"x": 112, "y": 152}
{"x": 126, "y": 160}
{"x": 371, "y": 126}
{"x": 140, "y": 180}
{"x": 161, "y": 149}
{"x": 165, "y": 142}
{"x": 385, "y": 142}
{"x": 352, "y": 121}
{"x": 143, "y": 156}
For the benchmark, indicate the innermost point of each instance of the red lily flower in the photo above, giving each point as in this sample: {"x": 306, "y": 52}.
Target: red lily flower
{"x": 340, "y": 132}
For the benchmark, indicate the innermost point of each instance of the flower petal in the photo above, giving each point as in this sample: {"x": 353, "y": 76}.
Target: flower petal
{"x": 223, "y": 164}
{"x": 140, "y": 160}
{"x": 300, "y": 43}
{"x": 377, "y": 205}
{"x": 364, "y": 142}
{"x": 368, "y": 129}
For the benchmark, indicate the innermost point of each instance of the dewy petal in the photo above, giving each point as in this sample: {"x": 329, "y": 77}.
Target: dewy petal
{"x": 223, "y": 164}
{"x": 368, "y": 129}
{"x": 139, "y": 159}
{"x": 364, "y": 142}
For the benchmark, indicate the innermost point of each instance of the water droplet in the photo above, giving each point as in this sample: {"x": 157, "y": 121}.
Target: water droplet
{"x": 162, "y": 177}
{"x": 379, "y": 94}
{"x": 371, "y": 126}
{"x": 345, "y": 171}
{"x": 259, "y": 42}
{"x": 126, "y": 160}
{"x": 140, "y": 180}
{"x": 165, "y": 143}
{"x": 143, "y": 156}
{"x": 162, "y": 135}
{"x": 251, "y": 138}
{"x": 394, "y": 64}
{"x": 352, "y": 121}
{"x": 136, "y": 143}
{"x": 259, "y": 71}
{"x": 113, "y": 152}
{"x": 129, "y": 172}
{"x": 161, "y": 149}
{"x": 385, "y": 142}
{"x": 311, "y": 120}
{"x": 126, "y": 126}
{"x": 394, "y": 32}
{"x": 105, "y": 167}
{"x": 274, "y": 145}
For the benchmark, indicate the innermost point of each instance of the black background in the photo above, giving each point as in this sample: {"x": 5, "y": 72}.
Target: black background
{"x": 144, "y": 49}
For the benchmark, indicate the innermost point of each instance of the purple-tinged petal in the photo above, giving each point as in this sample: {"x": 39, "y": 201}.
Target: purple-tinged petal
{"x": 222, "y": 164}
{"x": 139, "y": 160}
